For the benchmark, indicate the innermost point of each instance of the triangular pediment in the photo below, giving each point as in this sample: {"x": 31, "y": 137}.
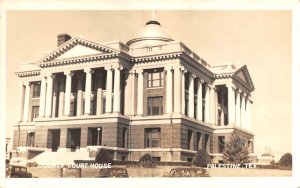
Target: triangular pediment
{"x": 75, "y": 48}
{"x": 242, "y": 74}
{"x": 78, "y": 50}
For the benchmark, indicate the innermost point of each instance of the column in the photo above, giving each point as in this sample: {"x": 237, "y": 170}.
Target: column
{"x": 216, "y": 106}
{"x": 117, "y": 90}
{"x": 238, "y": 109}
{"x": 212, "y": 105}
{"x": 231, "y": 105}
{"x": 206, "y": 109}
{"x": 243, "y": 96}
{"x": 177, "y": 89}
{"x": 133, "y": 93}
{"x": 61, "y": 97}
{"x": 88, "y": 87}
{"x": 108, "y": 103}
{"x": 49, "y": 95}
{"x": 128, "y": 94}
{"x": 199, "y": 100}
{"x": 79, "y": 95}
{"x": 26, "y": 102}
{"x": 248, "y": 114}
{"x": 99, "y": 78}
{"x": 140, "y": 94}
{"x": 183, "y": 71}
{"x": 21, "y": 100}
{"x": 169, "y": 91}
{"x": 68, "y": 85}
{"x": 54, "y": 98}
{"x": 191, "y": 95}
{"x": 43, "y": 97}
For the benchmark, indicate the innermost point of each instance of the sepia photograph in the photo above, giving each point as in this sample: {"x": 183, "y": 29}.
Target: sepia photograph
{"x": 148, "y": 94}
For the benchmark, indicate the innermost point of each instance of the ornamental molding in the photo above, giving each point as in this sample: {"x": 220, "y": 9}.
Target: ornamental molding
{"x": 74, "y": 42}
{"x": 32, "y": 73}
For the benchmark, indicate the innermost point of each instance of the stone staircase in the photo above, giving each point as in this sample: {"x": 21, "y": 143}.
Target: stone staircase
{"x": 60, "y": 157}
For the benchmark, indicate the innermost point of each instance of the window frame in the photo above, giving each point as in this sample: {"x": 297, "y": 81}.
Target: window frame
{"x": 149, "y": 133}
{"x": 150, "y": 106}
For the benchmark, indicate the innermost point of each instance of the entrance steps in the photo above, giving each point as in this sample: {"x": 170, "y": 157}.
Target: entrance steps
{"x": 61, "y": 157}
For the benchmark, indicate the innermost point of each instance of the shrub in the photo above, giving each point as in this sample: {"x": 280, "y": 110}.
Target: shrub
{"x": 286, "y": 160}
{"x": 201, "y": 158}
{"x": 103, "y": 156}
{"x": 236, "y": 150}
{"x": 146, "y": 161}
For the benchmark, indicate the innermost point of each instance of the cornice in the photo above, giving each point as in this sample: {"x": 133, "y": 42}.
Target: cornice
{"x": 73, "y": 42}
{"x": 28, "y": 73}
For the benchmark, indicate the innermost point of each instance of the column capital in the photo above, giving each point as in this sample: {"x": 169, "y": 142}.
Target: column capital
{"x": 25, "y": 83}
{"x": 183, "y": 69}
{"x": 237, "y": 90}
{"x": 68, "y": 73}
{"x": 193, "y": 75}
{"x": 200, "y": 80}
{"x": 89, "y": 70}
{"x": 119, "y": 67}
{"x": 139, "y": 71}
{"x": 231, "y": 85}
{"x": 48, "y": 75}
{"x": 108, "y": 67}
{"x": 168, "y": 68}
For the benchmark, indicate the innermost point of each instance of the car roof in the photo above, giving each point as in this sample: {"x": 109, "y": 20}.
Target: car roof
{"x": 14, "y": 165}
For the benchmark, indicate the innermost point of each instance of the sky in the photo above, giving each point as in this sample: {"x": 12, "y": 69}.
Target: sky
{"x": 260, "y": 39}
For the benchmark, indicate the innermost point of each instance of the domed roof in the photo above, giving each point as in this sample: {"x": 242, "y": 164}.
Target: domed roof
{"x": 151, "y": 34}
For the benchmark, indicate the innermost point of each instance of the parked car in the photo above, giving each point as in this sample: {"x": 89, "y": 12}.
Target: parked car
{"x": 113, "y": 172}
{"x": 188, "y": 172}
{"x": 17, "y": 171}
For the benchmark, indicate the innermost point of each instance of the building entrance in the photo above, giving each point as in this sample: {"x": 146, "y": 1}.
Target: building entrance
{"x": 73, "y": 139}
{"x": 54, "y": 139}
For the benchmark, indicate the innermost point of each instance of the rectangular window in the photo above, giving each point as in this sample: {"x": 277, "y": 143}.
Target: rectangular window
{"x": 190, "y": 139}
{"x": 124, "y": 138}
{"x": 155, "y": 105}
{"x": 221, "y": 143}
{"x": 30, "y": 139}
{"x": 206, "y": 143}
{"x": 199, "y": 146}
{"x": 155, "y": 79}
{"x": 152, "y": 137}
{"x": 36, "y": 89}
{"x": 35, "y": 112}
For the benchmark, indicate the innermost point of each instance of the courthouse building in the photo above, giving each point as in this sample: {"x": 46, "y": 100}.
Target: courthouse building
{"x": 151, "y": 95}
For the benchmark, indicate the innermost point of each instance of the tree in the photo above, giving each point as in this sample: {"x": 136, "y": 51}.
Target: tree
{"x": 286, "y": 160}
{"x": 201, "y": 158}
{"x": 103, "y": 156}
{"x": 236, "y": 149}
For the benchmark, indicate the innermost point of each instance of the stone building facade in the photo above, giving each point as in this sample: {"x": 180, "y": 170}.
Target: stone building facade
{"x": 151, "y": 95}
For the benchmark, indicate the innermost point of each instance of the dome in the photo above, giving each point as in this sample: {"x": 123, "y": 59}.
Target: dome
{"x": 151, "y": 34}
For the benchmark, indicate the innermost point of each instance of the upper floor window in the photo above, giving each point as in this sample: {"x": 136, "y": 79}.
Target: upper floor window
{"x": 36, "y": 89}
{"x": 155, "y": 105}
{"x": 35, "y": 112}
{"x": 155, "y": 78}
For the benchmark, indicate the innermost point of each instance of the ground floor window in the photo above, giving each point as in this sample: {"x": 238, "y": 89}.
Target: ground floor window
{"x": 199, "y": 143}
{"x": 221, "y": 143}
{"x": 152, "y": 137}
{"x": 190, "y": 139}
{"x": 124, "y": 138}
{"x": 30, "y": 139}
{"x": 95, "y": 136}
{"x": 206, "y": 142}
